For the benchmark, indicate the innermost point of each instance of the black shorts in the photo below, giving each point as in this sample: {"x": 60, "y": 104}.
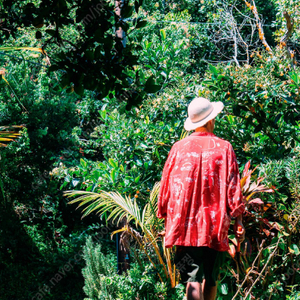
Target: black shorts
{"x": 197, "y": 263}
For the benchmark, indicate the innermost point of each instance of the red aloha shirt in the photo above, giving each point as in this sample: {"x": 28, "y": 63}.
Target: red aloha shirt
{"x": 200, "y": 192}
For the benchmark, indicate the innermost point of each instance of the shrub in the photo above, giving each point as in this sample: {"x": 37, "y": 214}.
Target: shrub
{"x": 134, "y": 145}
{"x": 260, "y": 103}
{"x": 103, "y": 282}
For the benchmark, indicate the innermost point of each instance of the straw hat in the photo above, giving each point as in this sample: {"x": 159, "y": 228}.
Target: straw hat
{"x": 201, "y": 111}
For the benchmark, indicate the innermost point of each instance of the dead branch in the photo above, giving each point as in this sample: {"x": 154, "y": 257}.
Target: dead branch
{"x": 286, "y": 37}
{"x": 230, "y": 32}
{"x": 261, "y": 248}
{"x": 289, "y": 26}
{"x": 259, "y": 25}
{"x": 263, "y": 269}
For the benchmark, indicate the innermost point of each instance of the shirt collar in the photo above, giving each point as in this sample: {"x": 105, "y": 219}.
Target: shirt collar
{"x": 202, "y": 134}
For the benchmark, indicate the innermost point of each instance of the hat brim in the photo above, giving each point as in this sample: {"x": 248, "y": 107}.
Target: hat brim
{"x": 217, "y": 108}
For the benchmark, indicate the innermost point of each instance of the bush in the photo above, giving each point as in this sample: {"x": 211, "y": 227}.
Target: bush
{"x": 134, "y": 145}
{"x": 103, "y": 282}
{"x": 260, "y": 103}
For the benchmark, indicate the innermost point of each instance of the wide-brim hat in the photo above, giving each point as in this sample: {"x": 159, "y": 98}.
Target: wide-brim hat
{"x": 200, "y": 111}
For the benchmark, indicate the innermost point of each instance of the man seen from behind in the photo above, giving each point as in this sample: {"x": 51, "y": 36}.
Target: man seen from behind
{"x": 200, "y": 193}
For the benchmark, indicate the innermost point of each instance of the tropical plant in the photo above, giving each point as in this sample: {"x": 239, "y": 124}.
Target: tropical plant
{"x": 125, "y": 208}
{"x": 81, "y": 55}
{"x": 139, "y": 282}
{"x": 249, "y": 189}
{"x": 251, "y": 186}
{"x": 271, "y": 244}
{"x": 9, "y": 135}
{"x": 255, "y": 98}
{"x": 99, "y": 273}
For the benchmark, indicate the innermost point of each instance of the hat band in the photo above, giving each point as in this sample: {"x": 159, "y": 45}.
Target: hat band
{"x": 201, "y": 118}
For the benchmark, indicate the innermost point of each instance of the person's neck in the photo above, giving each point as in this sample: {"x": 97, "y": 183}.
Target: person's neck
{"x": 203, "y": 129}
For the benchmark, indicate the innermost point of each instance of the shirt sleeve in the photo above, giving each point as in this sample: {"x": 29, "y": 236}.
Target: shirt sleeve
{"x": 164, "y": 192}
{"x": 234, "y": 194}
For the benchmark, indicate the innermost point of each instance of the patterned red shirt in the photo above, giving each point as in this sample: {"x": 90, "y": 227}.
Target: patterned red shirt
{"x": 200, "y": 192}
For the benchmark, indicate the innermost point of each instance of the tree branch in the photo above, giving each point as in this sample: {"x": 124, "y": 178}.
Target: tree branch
{"x": 286, "y": 37}
{"x": 289, "y": 26}
{"x": 260, "y": 274}
{"x": 259, "y": 25}
{"x": 252, "y": 268}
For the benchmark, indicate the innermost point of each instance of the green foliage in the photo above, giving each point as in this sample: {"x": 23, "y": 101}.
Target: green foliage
{"x": 275, "y": 222}
{"x": 39, "y": 233}
{"x": 284, "y": 176}
{"x": 98, "y": 266}
{"x": 260, "y": 102}
{"x": 77, "y": 134}
{"x": 292, "y": 7}
{"x": 94, "y": 60}
{"x": 103, "y": 282}
{"x": 295, "y": 295}
{"x": 134, "y": 144}
{"x": 165, "y": 46}
{"x": 27, "y": 162}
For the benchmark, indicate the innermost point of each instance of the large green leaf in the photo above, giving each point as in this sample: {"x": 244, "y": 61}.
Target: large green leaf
{"x": 151, "y": 86}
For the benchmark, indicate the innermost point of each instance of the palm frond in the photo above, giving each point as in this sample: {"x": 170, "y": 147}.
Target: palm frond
{"x": 7, "y": 135}
{"x": 121, "y": 208}
{"x": 22, "y": 48}
{"x": 171, "y": 269}
{"x": 118, "y": 206}
{"x": 184, "y": 134}
{"x": 151, "y": 207}
{"x": 154, "y": 194}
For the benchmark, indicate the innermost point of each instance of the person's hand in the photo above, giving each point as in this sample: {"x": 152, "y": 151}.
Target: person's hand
{"x": 162, "y": 233}
{"x": 239, "y": 230}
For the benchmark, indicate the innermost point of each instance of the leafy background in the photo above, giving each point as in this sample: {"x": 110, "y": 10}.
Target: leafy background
{"x": 98, "y": 116}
